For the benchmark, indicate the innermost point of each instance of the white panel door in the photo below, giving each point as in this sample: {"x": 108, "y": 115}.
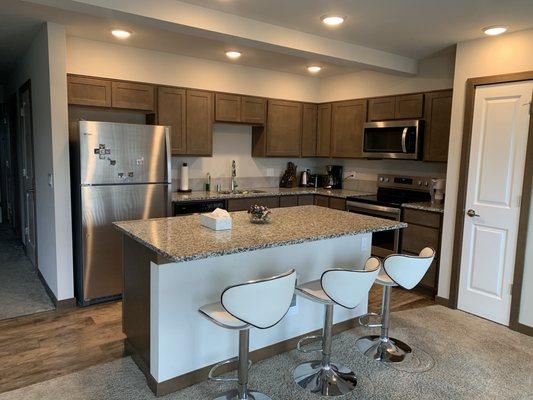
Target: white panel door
{"x": 495, "y": 177}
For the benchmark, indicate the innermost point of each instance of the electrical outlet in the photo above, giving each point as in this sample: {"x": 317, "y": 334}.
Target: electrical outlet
{"x": 270, "y": 171}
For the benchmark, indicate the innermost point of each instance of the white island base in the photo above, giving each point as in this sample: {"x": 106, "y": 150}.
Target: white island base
{"x": 178, "y": 346}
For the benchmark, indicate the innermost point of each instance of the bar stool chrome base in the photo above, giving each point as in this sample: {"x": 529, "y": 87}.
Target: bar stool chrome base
{"x": 332, "y": 380}
{"x": 250, "y": 395}
{"x": 383, "y": 349}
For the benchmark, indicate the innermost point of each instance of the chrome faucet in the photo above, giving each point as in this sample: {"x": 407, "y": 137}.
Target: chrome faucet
{"x": 233, "y": 176}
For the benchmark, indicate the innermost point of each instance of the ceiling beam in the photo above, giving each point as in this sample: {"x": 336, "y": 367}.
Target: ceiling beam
{"x": 189, "y": 19}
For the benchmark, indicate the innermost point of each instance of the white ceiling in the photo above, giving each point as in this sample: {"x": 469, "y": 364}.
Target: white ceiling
{"x": 412, "y": 28}
{"x": 282, "y": 35}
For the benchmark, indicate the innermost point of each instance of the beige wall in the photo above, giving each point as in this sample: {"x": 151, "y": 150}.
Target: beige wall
{"x": 488, "y": 56}
{"x": 435, "y": 72}
{"x": 44, "y": 64}
{"x": 130, "y": 63}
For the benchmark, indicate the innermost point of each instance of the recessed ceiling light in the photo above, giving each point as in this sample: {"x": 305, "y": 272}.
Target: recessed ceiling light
{"x": 314, "y": 69}
{"x": 332, "y": 20}
{"x": 233, "y": 54}
{"x": 494, "y": 30}
{"x": 120, "y": 33}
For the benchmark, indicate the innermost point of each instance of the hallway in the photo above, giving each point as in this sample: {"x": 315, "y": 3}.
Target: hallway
{"x": 21, "y": 291}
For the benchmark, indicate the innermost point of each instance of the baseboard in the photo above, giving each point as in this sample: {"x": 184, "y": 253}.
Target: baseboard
{"x": 61, "y": 305}
{"x": 525, "y": 329}
{"x": 200, "y": 375}
{"x": 442, "y": 301}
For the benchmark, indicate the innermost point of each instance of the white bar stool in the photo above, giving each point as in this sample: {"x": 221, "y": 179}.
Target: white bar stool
{"x": 261, "y": 304}
{"x": 347, "y": 288}
{"x": 398, "y": 270}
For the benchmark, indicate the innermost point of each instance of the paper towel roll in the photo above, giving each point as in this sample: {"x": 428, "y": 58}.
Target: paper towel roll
{"x": 184, "y": 177}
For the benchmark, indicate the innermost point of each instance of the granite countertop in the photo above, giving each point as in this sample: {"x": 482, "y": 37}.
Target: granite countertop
{"x": 184, "y": 239}
{"x": 425, "y": 206}
{"x": 213, "y": 195}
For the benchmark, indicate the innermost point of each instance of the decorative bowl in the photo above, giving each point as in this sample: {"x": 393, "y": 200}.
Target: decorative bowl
{"x": 259, "y": 214}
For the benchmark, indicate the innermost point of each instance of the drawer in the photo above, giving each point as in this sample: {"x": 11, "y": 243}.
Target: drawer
{"x": 419, "y": 217}
{"x": 244, "y": 204}
{"x": 416, "y": 237}
{"x": 322, "y": 201}
{"x": 337, "y": 204}
{"x": 288, "y": 201}
{"x": 306, "y": 200}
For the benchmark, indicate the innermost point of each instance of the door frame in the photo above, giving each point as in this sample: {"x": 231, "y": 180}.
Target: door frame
{"x": 27, "y": 86}
{"x": 471, "y": 85}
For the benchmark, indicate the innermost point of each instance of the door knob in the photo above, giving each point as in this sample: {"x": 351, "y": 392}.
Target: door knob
{"x": 471, "y": 213}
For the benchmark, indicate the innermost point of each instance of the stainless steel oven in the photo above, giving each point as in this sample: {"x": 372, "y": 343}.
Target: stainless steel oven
{"x": 393, "y": 139}
{"x": 383, "y": 243}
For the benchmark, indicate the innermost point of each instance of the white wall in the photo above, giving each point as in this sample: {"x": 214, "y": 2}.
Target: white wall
{"x": 435, "y": 73}
{"x": 234, "y": 142}
{"x": 45, "y": 64}
{"x": 489, "y": 56}
{"x": 130, "y": 63}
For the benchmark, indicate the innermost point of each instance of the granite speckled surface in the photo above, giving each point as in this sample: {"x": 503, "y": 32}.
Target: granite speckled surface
{"x": 213, "y": 195}
{"x": 425, "y": 206}
{"x": 184, "y": 239}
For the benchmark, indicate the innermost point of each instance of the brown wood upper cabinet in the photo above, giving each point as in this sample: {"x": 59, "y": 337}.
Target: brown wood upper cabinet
{"x": 133, "y": 96}
{"x": 236, "y": 108}
{"x": 253, "y": 110}
{"x": 309, "y": 121}
{"x": 84, "y": 91}
{"x": 227, "y": 107}
{"x": 381, "y": 108}
{"x": 199, "y": 123}
{"x": 347, "y": 123}
{"x": 409, "y": 106}
{"x": 323, "y": 132}
{"x": 284, "y": 128}
{"x": 171, "y": 111}
{"x": 438, "y": 113}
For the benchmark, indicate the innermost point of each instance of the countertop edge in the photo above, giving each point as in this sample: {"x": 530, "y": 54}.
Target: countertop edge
{"x": 201, "y": 256}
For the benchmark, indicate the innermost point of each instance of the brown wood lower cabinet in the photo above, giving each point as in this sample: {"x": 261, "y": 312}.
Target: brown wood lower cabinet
{"x": 322, "y": 201}
{"x": 337, "y": 203}
{"x": 424, "y": 230}
{"x": 246, "y": 203}
{"x": 306, "y": 199}
{"x": 288, "y": 201}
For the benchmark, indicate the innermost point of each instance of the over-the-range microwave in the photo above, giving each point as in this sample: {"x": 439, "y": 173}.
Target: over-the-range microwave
{"x": 393, "y": 139}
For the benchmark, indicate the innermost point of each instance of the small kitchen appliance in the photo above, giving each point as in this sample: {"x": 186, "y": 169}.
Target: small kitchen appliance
{"x": 333, "y": 177}
{"x": 437, "y": 190}
{"x": 304, "y": 177}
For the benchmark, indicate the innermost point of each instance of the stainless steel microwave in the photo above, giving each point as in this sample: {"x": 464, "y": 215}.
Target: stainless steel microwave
{"x": 393, "y": 139}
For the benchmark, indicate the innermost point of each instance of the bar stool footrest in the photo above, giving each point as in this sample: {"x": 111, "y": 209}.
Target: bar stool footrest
{"x": 212, "y": 376}
{"x": 364, "y": 320}
{"x": 307, "y": 338}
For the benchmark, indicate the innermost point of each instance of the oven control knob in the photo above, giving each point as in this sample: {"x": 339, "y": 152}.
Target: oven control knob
{"x": 381, "y": 179}
{"x": 426, "y": 183}
{"x": 419, "y": 183}
{"x": 386, "y": 180}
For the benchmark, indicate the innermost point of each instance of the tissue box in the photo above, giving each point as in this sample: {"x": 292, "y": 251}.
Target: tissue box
{"x": 217, "y": 224}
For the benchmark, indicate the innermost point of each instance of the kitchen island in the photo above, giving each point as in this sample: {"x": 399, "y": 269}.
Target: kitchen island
{"x": 172, "y": 266}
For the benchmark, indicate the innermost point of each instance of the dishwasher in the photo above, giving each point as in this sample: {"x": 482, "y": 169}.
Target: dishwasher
{"x": 197, "y": 207}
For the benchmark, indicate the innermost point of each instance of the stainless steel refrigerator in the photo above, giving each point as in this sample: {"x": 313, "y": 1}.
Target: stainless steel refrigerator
{"x": 119, "y": 172}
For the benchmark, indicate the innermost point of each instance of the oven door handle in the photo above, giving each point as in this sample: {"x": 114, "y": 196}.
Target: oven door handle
{"x": 391, "y": 211}
{"x": 404, "y": 139}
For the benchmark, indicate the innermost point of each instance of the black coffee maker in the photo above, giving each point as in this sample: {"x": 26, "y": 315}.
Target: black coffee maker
{"x": 333, "y": 178}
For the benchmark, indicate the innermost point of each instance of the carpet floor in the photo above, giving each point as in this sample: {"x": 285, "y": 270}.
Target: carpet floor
{"x": 21, "y": 291}
{"x": 456, "y": 356}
